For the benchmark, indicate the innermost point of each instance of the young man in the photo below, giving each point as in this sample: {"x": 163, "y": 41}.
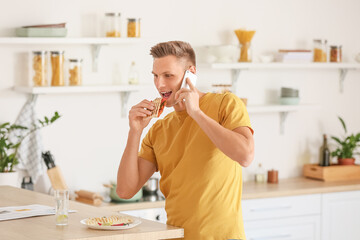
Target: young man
{"x": 199, "y": 149}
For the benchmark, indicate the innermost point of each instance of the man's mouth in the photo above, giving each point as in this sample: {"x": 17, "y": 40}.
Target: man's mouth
{"x": 166, "y": 95}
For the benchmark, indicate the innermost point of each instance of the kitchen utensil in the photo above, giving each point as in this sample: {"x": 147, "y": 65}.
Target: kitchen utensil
{"x": 56, "y": 178}
{"x": 152, "y": 185}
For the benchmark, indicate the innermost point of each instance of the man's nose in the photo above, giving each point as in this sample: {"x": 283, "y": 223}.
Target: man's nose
{"x": 160, "y": 82}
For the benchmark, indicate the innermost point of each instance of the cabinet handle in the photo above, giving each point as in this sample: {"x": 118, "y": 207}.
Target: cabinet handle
{"x": 269, "y": 208}
{"x": 157, "y": 217}
{"x": 271, "y": 237}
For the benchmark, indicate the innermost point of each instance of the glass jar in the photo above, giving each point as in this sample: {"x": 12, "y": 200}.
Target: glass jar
{"x": 39, "y": 68}
{"x": 133, "y": 74}
{"x": 320, "y": 49}
{"x": 57, "y": 66}
{"x": 245, "y": 52}
{"x": 335, "y": 54}
{"x": 133, "y": 27}
{"x": 75, "y": 72}
{"x": 112, "y": 24}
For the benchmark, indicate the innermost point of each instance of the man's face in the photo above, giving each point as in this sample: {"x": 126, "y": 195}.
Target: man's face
{"x": 168, "y": 74}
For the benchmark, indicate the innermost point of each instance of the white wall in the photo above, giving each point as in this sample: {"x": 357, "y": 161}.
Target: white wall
{"x": 89, "y": 139}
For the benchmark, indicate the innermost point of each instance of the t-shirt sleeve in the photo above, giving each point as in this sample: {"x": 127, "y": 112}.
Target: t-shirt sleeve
{"x": 233, "y": 113}
{"x": 147, "y": 150}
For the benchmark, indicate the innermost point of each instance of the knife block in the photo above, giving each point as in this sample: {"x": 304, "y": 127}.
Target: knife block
{"x": 56, "y": 178}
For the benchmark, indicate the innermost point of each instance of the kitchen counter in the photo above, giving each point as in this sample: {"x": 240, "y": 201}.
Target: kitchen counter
{"x": 43, "y": 227}
{"x": 252, "y": 190}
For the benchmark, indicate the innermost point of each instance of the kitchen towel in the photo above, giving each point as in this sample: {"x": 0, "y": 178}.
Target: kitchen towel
{"x": 29, "y": 152}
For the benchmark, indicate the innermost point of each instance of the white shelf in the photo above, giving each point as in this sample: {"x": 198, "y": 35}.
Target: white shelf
{"x": 79, "y": 89}
{"x": 283, "y": 111}
{"x": 245, "y": 66}
{"x": 67, "y": 40}
{"x": 124, "y": 91}
{"x": 280, "y": 108}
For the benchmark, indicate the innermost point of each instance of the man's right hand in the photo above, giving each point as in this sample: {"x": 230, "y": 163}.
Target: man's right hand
{"x": 139, "y": 115}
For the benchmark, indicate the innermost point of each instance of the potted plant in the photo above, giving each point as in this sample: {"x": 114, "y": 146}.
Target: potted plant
{"x": 345, "y": 150}
{"x": 9, "y": 146}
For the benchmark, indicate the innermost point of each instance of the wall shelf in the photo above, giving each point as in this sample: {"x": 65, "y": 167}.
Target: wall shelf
{"x": 124, "y": 91}
{"x": 95, "y": 42}
{"x": 283, "y": 111}
{"x": 236, "y": 68}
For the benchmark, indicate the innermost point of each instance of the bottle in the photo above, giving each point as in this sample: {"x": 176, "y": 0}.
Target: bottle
{"x": 335, "y": 53}
{"x": 75, "y": 72}
{"x": 133, "y": 27}
{"x": 325, "y": 153}
{"x": 133, "y": 74}
{"x": 57, "y": 66}
{"x": 260, "y": 174}
{"x": 39, "y": 68}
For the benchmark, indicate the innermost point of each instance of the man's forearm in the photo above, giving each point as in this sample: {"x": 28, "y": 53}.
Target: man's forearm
{"x": 232, "y": 144}
{"x": 128, "y": 173}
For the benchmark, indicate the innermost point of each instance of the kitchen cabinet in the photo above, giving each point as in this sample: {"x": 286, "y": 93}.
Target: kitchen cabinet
{"x": 341, "y": 216}
{"x": 295, "y": 217}
{"x": 153, "y": 214}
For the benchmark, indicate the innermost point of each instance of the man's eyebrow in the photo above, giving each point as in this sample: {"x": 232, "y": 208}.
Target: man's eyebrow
{"x": 166, "y": 72}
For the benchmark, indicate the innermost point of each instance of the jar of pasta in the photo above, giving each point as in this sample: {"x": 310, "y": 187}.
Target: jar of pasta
{"x": 335, "y": 54}
{"x": 39, "y": 68}
{"x": 57, "y": 67}
{"x": 75, "y": 72}
{"x": 320, "y": 49}
{"x": 133, "y": 27}
{"x": 112, "y": 24}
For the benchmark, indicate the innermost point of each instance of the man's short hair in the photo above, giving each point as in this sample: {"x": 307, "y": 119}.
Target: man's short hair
{"x": 179, "y": 49}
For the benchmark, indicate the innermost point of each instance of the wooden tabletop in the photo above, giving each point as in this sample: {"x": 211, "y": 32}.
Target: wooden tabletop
{"x": 43, "y": 227}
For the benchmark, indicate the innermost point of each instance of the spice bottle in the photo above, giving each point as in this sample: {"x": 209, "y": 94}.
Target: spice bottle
{"x": 112, "y": 24}
{"x": 39, "y": 68}
{"x": 335, "y": 54}
{"x": 57, "y": 66}
{"x": 133, "y": 27}
{"x": 260, "y": 174}
{"x": 325, "y": 153}
{"x": 320, "y": 48}
{"x": 133, "y": 74}
{"x": 75, "y": 72}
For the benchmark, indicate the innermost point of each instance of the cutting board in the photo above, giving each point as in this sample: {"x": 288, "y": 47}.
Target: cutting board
{"x": 332, "y": 173}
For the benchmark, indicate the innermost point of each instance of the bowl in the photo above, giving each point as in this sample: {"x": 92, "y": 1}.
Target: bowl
{"x": 289, "y": 100}
{"x": 225, "y": 53}
{"x": 266, "y": 58}
{"x": 114, "y": 197}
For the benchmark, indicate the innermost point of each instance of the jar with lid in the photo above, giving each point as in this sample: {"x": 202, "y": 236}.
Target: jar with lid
{"x": 57, "y": 66}
{"x": 39, "y": 68}
{"x": 133, "y": 74}
{"x": 112, "y": 24}
{"x": 335, "y": 53}
{"x": 133, "y": 27}
{"x": 320, "y": 49}
{"x": 75, "y": 72}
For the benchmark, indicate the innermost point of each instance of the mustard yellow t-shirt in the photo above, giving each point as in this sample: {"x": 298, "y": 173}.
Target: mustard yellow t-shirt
{"x": 202, "y": 186}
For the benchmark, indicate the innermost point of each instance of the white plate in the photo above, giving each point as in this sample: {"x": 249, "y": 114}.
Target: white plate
{"x": 131, "y": 225}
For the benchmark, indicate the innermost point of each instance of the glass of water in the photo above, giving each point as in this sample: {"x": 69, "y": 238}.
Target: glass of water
{"x": 61, "y": 207}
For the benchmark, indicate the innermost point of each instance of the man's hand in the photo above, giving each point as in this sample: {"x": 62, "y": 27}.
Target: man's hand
{"x": 191, "y": 98}
{"x": 139, "y": 115}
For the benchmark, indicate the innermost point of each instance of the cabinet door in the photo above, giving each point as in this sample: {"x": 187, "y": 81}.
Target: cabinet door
{"x": 290, "y": 228}
{"x": 153, "y": 214}
{"x": 341, "y": 216}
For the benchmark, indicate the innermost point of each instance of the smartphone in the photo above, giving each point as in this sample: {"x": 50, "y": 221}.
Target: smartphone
{"x": 192, "y": 78}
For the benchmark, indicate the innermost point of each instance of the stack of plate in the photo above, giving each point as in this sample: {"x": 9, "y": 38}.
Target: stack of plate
{"x": 48, "y": 30}
{"x": 289, "y": 96}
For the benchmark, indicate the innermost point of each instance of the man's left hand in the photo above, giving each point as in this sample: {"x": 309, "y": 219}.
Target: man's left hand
{"x": 191, "y": 97}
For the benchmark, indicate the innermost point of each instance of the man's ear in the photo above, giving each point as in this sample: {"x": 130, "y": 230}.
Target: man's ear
{"x": 192, "y": 69}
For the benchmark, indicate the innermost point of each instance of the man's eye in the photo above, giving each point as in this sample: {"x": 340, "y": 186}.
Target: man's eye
{"x": 168, "y": 75}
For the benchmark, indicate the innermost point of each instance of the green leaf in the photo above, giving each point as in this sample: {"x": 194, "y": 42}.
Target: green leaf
{"x": 343, "y": 124}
